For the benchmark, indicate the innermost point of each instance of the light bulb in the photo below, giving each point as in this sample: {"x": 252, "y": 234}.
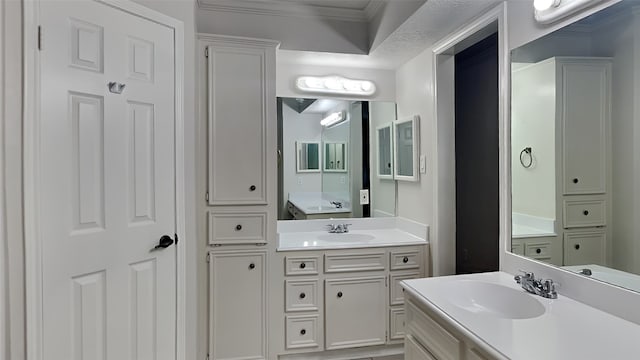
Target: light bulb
{"x": 542, "y": 5}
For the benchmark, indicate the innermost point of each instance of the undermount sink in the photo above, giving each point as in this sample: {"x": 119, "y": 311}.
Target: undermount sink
{"x": 346, "y": 237}
{"x": 495, "y": 300}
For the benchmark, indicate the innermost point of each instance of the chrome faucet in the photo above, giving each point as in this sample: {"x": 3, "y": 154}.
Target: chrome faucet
{"x": 338, "y": 228}
{"x": 545, "y": 288}
{"x": 337, "y": 204}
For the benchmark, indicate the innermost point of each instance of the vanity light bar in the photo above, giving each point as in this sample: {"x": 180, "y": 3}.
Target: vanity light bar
{"x": 548, "y": 11}
{"x": 335, "y": 85}
{"x": 333, "y": 119}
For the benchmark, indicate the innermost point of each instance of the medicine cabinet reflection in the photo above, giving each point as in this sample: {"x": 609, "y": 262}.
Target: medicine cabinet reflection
{"x": 307, "y": 157}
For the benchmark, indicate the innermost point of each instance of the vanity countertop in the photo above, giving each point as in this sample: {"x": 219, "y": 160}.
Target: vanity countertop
{"x": 567, "y": 330}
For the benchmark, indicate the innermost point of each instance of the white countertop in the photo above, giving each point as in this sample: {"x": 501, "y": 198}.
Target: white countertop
{"x": 313, "y": 240}
{"x": 567, "y": 330}
{"x": 523, "y": 231}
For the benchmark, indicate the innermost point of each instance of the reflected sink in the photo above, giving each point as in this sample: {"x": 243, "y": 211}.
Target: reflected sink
{"x": 493, "y": 300}
{"x": 321, "y": 208}
{"x": 346, "y": 237}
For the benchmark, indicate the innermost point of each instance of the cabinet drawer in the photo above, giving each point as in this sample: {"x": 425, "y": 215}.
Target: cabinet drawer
{"x": 584, "y": 213}
{"x": 301, "y": 295}
{"x": 396, "y": 292}
{"x": 415, "y": 351}
{"x": 396, "y": 323}
{"x": 237, "y": 228}
{"x": 301, "y": 265}
{"x": 583, "y": 248}
{"x": 302, "y": 332}
{"x": 517, "y": 249}
{"x": 439, "y": 341}
{"x": 407, "y": 259}
{"x": 336, "y": 263}
{"x": 538, "y": 250}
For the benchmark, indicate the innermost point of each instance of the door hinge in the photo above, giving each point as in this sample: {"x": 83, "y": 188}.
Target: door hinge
{"x": 386, "y": 282}
{"x": 206, "y": 196}
{"x": 208, "y": 260}
{"x": 386, "y": 335}
{"x": 207, "y": 356}
{"x": 176, "y": 238}
{"x": 206, "y": 52}
{"x": 39, "y": 40}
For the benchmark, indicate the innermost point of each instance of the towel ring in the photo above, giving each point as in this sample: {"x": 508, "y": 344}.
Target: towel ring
{"x": 523, "y": 154}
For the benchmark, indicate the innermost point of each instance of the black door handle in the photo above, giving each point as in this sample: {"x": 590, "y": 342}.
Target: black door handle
{"x": 165, "y": 242}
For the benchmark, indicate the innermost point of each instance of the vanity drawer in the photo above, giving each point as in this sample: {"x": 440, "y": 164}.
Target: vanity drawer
{"x": 405, "y": 259}
{"x": 396, "y": 292}
{"x": 439, "y": 341}
{"x": 396, "y": 323}
{"x": 582, "y": 248}
{"x": 337, "y": 263}
{"x": 301, "y": 295}
{"x": 584, "y": 213}
{"x": 301, "y": 265}
{"x": 302, "y": 332}
{"x": 414, "y": 350}
{"x": 538, "y": 250}
{"x": 237, "y": 228}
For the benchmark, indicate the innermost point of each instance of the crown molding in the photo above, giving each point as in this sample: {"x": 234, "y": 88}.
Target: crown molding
{"x": 287, "y": 8}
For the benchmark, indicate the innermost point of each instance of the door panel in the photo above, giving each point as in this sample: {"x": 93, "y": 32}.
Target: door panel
{"x": 107, "y": 184}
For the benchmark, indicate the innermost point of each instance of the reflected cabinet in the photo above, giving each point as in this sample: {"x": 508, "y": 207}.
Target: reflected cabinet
{"x": 398, "y": 150}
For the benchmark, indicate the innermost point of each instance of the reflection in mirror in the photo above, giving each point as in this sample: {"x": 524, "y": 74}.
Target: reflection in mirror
{"x": 308, "y": 156}
{"x": 346, "y": 151}
{"x": 384, "y": 151}
{"x": 406, "y": 149}
{"x": 335, "y": 157}
{"x": 573, "y": 121}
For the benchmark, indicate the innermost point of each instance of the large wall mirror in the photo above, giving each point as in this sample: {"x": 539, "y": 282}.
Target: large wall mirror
{"x": 575, "y": 138}
{"x": 345, "y": 132}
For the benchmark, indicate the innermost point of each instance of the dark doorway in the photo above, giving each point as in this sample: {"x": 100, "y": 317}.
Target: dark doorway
{"x": 477, "y": 166}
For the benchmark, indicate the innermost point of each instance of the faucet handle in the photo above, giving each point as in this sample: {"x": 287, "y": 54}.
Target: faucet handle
{"x": 549, "y": 288}
{"x": 346, "y": 227}
{"x": 527, "y": 274}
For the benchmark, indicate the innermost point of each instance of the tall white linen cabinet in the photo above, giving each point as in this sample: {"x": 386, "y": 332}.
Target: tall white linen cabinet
{"x": 237, "y": 218}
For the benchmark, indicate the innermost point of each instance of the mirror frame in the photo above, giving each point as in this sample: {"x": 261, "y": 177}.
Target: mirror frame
{"x": 391, "y": 151}
{"x": 415, "y": 153}
{"x": 345, "y": 155}
{"x": 298, "y": 148}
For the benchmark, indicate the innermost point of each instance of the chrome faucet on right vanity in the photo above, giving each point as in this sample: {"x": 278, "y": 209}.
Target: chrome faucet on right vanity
{"x": 545, "y": 288}
{"x": 338, "y": 228}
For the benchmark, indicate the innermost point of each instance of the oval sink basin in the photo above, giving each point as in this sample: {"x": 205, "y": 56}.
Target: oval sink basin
{"x": 495, "y": 300}
{"x": 346, "y": 237}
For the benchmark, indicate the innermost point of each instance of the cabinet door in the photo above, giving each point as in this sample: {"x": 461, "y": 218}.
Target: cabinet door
{"x": 239, "y": 110}
{"x": 355, "y": 312}
{"x": 585, "y": 248}
{"x": 237, "y": 300}
{"x": 585, "y": 113}
{"x": 414, "y": 351}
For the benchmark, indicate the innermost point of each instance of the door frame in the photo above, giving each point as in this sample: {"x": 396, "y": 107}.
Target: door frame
{"x": 443, "y": 136}
{"x": 31, "y": 133}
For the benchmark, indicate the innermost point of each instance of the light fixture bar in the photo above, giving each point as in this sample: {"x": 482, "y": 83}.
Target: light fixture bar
{"x": 333, "y": 119}
{"x": 335, "y": 85}
{"x": 548, "y": 11}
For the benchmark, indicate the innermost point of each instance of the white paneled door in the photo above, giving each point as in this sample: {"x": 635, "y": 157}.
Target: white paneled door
{"x": 107, "y": 180}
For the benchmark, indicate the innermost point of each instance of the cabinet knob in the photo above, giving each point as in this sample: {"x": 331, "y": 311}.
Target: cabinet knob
{"x": 252, "y": 266}
{"x": 576, "y": 246}
{"x": 303, "y": 265}
{"x": 238, "y": 227}
{"x": 405, "y": 259}
{"x": 538, "y": 251}
{"x": 586, "y": 212}
{"x": 252, "y": 188}
{"x": 303, "y": 331}
{"x": 575, "y": 181}
{"x": 339, "y": 294}
{"x": 303, "y": 295}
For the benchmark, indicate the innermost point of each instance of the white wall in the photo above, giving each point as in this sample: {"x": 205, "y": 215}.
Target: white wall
{"x": 383, "y": 191}
{"x": 4, "y": 269}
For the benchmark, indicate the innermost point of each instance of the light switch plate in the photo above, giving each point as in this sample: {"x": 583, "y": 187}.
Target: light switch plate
{"x": 364, "y": 197}
{"x": 423, "y": 164}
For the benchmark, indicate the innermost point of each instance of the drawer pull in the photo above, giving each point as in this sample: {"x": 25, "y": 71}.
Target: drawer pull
{"x": 238, "y": 227}
{"x": 339, "y": 294}
{"x": 252, "y": 188}
{"x": 405, "y": 259}
{"x": 576, "y": 246}
{"x": 586, "y": 212}
{"x": 303, "y": 331}
{"x": 252, "y": 266}
{"x": 575, "y": 181}
{"x": 538, "y": 251}
{"x": 303, "y": 295}
{"x": 303, "y": 265}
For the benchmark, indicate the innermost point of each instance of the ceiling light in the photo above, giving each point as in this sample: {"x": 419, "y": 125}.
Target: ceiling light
{"x": 334, "y": 119}
{"x": 542, "y": 5}
{"x": 335, "y": 85}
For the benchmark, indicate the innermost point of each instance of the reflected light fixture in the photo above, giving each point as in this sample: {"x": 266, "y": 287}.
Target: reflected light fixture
{"x": 335, "y": 85}
{"x": 548, "y": 11}
{"x": 334, "y": 119}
